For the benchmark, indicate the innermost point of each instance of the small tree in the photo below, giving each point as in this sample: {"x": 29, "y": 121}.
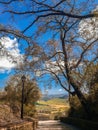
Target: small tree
{"x": 13, "y": 93}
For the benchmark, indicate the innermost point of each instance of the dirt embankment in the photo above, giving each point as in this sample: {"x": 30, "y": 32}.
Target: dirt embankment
{"x": 7, "y": 115}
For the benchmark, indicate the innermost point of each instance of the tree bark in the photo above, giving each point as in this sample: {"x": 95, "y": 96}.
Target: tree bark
{"x": 82, "y": 99}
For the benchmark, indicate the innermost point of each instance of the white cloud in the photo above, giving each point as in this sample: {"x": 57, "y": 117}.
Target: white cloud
{"x": 10, "y": 56}
{"x": 56, "y": 67}
{"x": 73, "y": 62}
{"x": 38, "y": 73}
{"x": 88, "y": 28}
{"x": 50, "y": 66}
{"x": 60, "y": 90}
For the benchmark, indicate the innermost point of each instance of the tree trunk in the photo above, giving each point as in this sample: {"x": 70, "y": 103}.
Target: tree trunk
{"x": 82, "y": 100}
{"x": 71, "y": 81}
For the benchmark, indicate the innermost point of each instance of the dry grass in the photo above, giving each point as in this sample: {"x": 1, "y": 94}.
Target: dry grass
{"x": 54, "y": 107}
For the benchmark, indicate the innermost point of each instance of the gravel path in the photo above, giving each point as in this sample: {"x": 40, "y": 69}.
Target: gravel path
{"x": 54, "y": 125}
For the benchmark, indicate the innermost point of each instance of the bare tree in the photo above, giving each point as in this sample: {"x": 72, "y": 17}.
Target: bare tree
{"x": 58, "y": 21}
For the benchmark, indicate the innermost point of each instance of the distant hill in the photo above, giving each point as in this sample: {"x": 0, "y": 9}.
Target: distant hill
{"x": 52, "y": 107}
{"x": 48, "y": 97}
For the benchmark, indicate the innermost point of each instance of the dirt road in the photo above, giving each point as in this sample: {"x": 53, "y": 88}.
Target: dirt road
{"x": 54, "y": 125}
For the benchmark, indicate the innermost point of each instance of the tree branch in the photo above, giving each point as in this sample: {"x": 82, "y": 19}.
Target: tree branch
{"x": 50, "y": 57}
{"x": 60, "y": 82}
{"x": 82, "y": 54}
{"x": 8, "y": 2}
{"x": 14, "y": 32}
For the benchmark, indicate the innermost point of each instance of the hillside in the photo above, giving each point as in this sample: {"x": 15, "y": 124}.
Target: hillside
{"x": 52, "y": 108}
{"x": 48, "y": 97}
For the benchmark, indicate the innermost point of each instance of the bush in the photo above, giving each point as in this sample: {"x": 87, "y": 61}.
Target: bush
{"x": 82, "y": 124}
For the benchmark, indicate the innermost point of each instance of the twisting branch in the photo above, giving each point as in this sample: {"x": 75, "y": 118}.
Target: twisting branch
{"x": 82, "y": 54}
{"x": 48, "y": 6}
{"x": 8, "y": 2}
{"x": 26, "y": 12}
{"x": 63, "y": 86}
{"x": 62, "y": 70}
{"x": 59, "y": 52}
{"x": 14, "y": 32}
{"x": 59, "y": 13}
{"x": 55, "y": 12}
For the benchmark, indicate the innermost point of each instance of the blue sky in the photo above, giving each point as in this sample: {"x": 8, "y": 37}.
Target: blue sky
{"x": 20, "y": 23}
{"x": 5, "y": 19}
